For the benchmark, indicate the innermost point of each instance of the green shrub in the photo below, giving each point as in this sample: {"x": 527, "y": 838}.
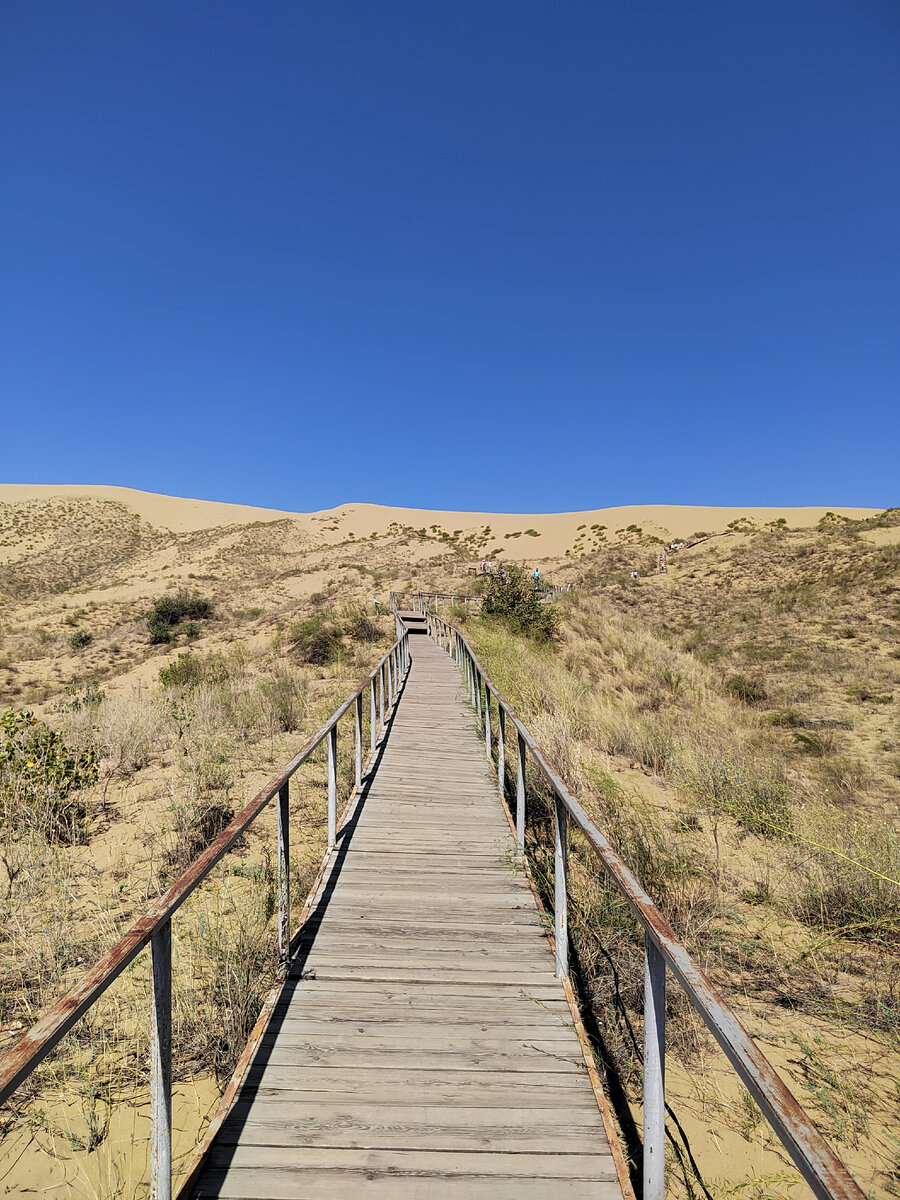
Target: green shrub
{"x": 188, "y": 670}
{"x": 169, "y": 611}
{"x": 863, "y": 692}
{"x": 283, "y": 693}
{"x": 80, "y": 639}
{"x": 317, "y": 640}
{"x": 41, "y": 777}
{"x": 748, "y": 691}
{"x": 361, "y": 628}
{"x": 512, "y": 596}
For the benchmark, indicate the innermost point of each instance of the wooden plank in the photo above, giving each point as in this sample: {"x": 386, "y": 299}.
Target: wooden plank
{"x": 422, "y": 1164}
{"x": 333, "y": 1183}
{"x": 477, "y": 1088}
{"x": 283, "y": 1121}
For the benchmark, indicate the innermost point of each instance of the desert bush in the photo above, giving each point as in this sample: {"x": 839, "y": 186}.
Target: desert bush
{"x": 170, "y": 610}
{"x": 80, "y": 639}
{"x": 196, "y": 821}
{"x": 126, "y": 731}
{"x": 231, "y": 959}
{"x": 865, "y": 692}
{"x": 188, "y": 670}
{"x": 317, "y": 640}
{"x": 817, "y": 743}
{"x": 42, "y": 778}
{"x": 283, "y": 695}
{"x": 850, "y": 871}
{"x": 843, "y": 777}
{"x": 748, "y": 691}
{"x": 511, "y": 596}
{"x": 750, "y": 789}
{"x": 361, "y": 628}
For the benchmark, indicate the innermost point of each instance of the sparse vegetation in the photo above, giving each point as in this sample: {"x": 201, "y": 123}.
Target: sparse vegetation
{"x": 732, "y": 726}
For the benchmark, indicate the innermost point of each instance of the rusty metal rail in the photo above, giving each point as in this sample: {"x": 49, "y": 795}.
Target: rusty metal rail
{"x": 818, "y": 1164}
{"x": 155, "y": 926}
{"x": 427, "y": 602}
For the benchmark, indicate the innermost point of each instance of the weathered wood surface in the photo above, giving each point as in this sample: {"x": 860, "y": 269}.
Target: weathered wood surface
{"x": 422, "y": 1047}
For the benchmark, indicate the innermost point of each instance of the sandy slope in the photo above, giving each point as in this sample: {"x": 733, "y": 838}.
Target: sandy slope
{"x": 557, "y": 531}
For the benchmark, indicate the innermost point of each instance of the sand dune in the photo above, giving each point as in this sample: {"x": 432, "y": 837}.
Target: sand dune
{"x": 551, "y": 533}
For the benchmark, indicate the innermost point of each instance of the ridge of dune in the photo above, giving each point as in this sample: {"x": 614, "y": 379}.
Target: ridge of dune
{"x": 542, "y": 533}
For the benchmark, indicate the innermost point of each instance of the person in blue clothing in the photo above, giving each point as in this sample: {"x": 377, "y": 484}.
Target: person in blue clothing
{"x": 537, "y": 575}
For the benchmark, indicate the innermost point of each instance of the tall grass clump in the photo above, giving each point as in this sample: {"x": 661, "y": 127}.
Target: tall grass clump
{"x": 849, "y": 873}
{"x": 752, "y": 790}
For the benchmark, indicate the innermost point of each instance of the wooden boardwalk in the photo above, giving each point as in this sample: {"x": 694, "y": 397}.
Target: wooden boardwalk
{"x": 422, "y": 1047}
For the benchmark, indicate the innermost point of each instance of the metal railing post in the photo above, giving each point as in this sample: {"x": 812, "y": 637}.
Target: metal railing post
{"x": 520, "y": 796}
{"x": 358, "y": 732}
{"x": 487, "y": 721}
{"x": 381, "y": 694}
{"x": 284, "y": 873}
{"x": 654, "y": 1072}
{"x": 390, "y": 681}
{"x": 161, "y": 1065}
{"x": 332, "y": 786}
{"x": 373, "y": 718}
{"x": 478, "y": 695}
{"x": 560, "y": 889}
{"x": 501, "y": 749}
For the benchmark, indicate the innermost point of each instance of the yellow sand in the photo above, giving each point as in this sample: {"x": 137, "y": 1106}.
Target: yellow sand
{"x": 556, "y": 531}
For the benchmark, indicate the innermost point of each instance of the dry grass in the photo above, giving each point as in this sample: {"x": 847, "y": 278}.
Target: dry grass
{"x": 733, "y": 830}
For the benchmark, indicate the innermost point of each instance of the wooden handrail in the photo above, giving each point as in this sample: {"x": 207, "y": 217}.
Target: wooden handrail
{"x": 154, "y": 927}
{"x": 826, "y": 1175}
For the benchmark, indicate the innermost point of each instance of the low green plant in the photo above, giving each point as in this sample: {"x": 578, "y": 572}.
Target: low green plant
{"x": 863, "y": 692}
{"x": 42, "y": 779}
{"x": 80, "y": 639}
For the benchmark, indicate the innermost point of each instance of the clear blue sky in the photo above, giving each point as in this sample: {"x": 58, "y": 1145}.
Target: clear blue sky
{"x": 482, "y": 254}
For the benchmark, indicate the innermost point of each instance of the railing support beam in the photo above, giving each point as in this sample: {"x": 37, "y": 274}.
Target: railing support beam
{"x": 501, "y": 749}
{"x": 284, "y": 873}
{"x": 520, "y": 795}
{"x": 560, "y": 888}
{"x": 332, "y": 786}
{"x": 161, "y": 1065}
{"x": 358, "y": 731}
{"x": 654, "y": 1172}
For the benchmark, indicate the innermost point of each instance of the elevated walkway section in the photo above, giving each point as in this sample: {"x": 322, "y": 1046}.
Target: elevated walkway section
{"x": 422, "y": 1047}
